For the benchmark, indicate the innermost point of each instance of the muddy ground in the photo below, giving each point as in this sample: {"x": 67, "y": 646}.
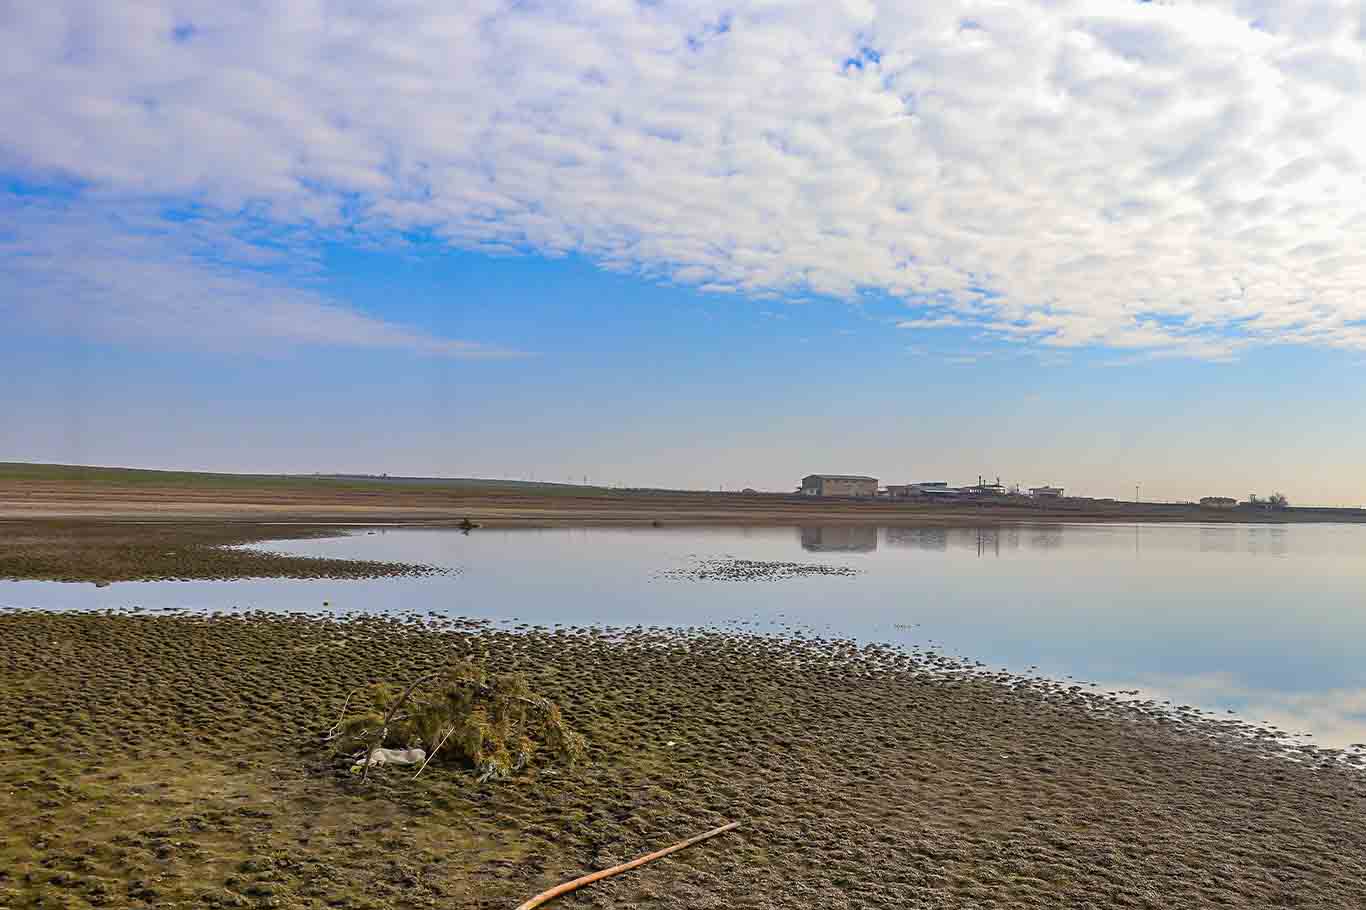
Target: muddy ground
{"x": 175, "y": 761}
{"x": 109, "y": 551}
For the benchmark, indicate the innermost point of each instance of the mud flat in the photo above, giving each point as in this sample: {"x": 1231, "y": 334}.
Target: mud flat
{"x": 108, "y": 551}
{"x": 174, "y": 761}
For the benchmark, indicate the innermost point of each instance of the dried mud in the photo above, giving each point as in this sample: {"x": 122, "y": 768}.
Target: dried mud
{"x": 174, "y": 761}
{"x": 109, "y": 551}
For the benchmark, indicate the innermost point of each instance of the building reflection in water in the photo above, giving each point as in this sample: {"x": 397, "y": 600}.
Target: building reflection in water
{"x": 918, "y": 538}
{"x": 1045, "y": 537}
{"x": 1218, "y": 539}
{"x": 840, "y": 538}
{"x": 1271, "y": 540}
{"x": 987, "y": 540}
{"x": 993, "y": 540}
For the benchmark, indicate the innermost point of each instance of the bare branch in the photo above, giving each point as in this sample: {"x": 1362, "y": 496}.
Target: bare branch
{"x": 431, "y": 756}
{"x": 388, "y": 718}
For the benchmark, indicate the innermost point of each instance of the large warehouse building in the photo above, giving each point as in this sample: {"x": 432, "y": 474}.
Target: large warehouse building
{"x": 838, "y": 485}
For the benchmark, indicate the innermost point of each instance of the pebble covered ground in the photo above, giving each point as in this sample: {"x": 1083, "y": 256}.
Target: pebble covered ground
{"x": 175, "y": 761}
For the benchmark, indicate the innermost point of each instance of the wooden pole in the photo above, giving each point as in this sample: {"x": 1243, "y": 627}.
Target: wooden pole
{"x": 608, "y": 873}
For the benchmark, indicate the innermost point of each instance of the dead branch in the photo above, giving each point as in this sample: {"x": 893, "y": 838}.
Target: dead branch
{"x": 449, "y": 731}
{"x": 616, "y": 870}
{"x": 335, "y": 730}
{"x": 388, "y": 718}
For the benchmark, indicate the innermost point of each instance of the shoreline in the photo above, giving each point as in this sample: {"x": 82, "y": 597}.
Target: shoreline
{"x": 102, "y": 552}
{"x": 162, "y": 547}
{"x": 864, "y": 776}
{"x": 637, "y": 512}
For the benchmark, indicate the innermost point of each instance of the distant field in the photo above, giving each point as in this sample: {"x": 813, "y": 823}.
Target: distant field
{"x": 70, "y": 491}
{"x": 138, "y": 477}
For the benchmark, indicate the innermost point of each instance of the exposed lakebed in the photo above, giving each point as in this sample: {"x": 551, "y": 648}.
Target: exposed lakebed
{"x": 176, "y": 760}
{"x": 1268, "y": 622}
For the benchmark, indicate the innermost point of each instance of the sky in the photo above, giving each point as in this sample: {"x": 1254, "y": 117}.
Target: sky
{"x": 1113, "y": 246}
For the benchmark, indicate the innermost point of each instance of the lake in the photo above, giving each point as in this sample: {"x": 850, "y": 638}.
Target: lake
{"x": 1265, "y": 621}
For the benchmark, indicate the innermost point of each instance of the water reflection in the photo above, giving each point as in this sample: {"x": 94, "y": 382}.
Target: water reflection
{"x": 1268, "y": 621}
{"x": 934, "y": 539}
{"x": 839, "y": 539}
{"x": 1046, "y": 537}
{"x": 1218, "y": 539}
{"x": 995, "y": 540}
{"x": 1269, "y": 540}
{"x": 1330, "y": 717}
{"x": 984, "y": 541}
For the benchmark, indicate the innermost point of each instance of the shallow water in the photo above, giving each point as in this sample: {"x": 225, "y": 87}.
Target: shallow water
{"x": 1265, "y": 621}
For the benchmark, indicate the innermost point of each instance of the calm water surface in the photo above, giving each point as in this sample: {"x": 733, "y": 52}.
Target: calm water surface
{"x": 1269, "y": 622}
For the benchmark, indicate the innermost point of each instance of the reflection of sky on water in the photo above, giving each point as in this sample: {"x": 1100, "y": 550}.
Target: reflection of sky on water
{"x": 1267, "y": 620}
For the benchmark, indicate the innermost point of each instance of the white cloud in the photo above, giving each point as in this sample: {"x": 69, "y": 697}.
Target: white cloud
{"x": 137, "y": 276}
{"x": 931, "y": 322}
{"x": 1181, "y": 177}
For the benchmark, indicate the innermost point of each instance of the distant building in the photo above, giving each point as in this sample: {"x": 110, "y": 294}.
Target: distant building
{"x": 749, "y": 490}
{"x": 838, "y": 485}
{"x": 1218, "y": 502}
{"x": 928, "y": 488}
{"x": 987, "y": 489}
{"x": 937, "y": 490}
{"x": 1046, "y": 492}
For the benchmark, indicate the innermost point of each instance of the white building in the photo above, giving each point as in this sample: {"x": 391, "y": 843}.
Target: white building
{"x": 838, "y": 485}
{"x": 928, "y": 489}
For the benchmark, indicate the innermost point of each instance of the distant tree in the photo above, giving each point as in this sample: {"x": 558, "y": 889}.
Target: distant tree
{"x": 1278, "y": 501}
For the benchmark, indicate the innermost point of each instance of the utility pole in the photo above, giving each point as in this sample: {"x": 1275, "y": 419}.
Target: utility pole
{"x": 1136, "y": 499}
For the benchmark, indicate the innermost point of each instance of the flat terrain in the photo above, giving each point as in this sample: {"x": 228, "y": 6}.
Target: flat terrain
{"x": 104, "y": 551}
{"x": 54, "y": 491}
{"x": 176, "y": 761}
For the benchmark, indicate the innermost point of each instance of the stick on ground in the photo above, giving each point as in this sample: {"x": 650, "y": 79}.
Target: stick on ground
{"x": 608, "y": 873}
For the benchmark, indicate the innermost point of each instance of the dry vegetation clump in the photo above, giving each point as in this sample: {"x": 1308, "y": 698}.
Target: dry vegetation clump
{"x": 493, "y": 723}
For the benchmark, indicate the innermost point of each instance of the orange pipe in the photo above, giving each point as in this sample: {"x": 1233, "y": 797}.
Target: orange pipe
{"x": 608, "y": 873}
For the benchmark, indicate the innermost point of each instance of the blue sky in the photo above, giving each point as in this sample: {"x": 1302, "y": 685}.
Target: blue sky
{"x": 1091, "y": 244}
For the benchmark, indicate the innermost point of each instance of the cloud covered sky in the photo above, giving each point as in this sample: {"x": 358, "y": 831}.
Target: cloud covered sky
{"x": 1182, "y": 177}
{"x": 1089, "y": 243}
